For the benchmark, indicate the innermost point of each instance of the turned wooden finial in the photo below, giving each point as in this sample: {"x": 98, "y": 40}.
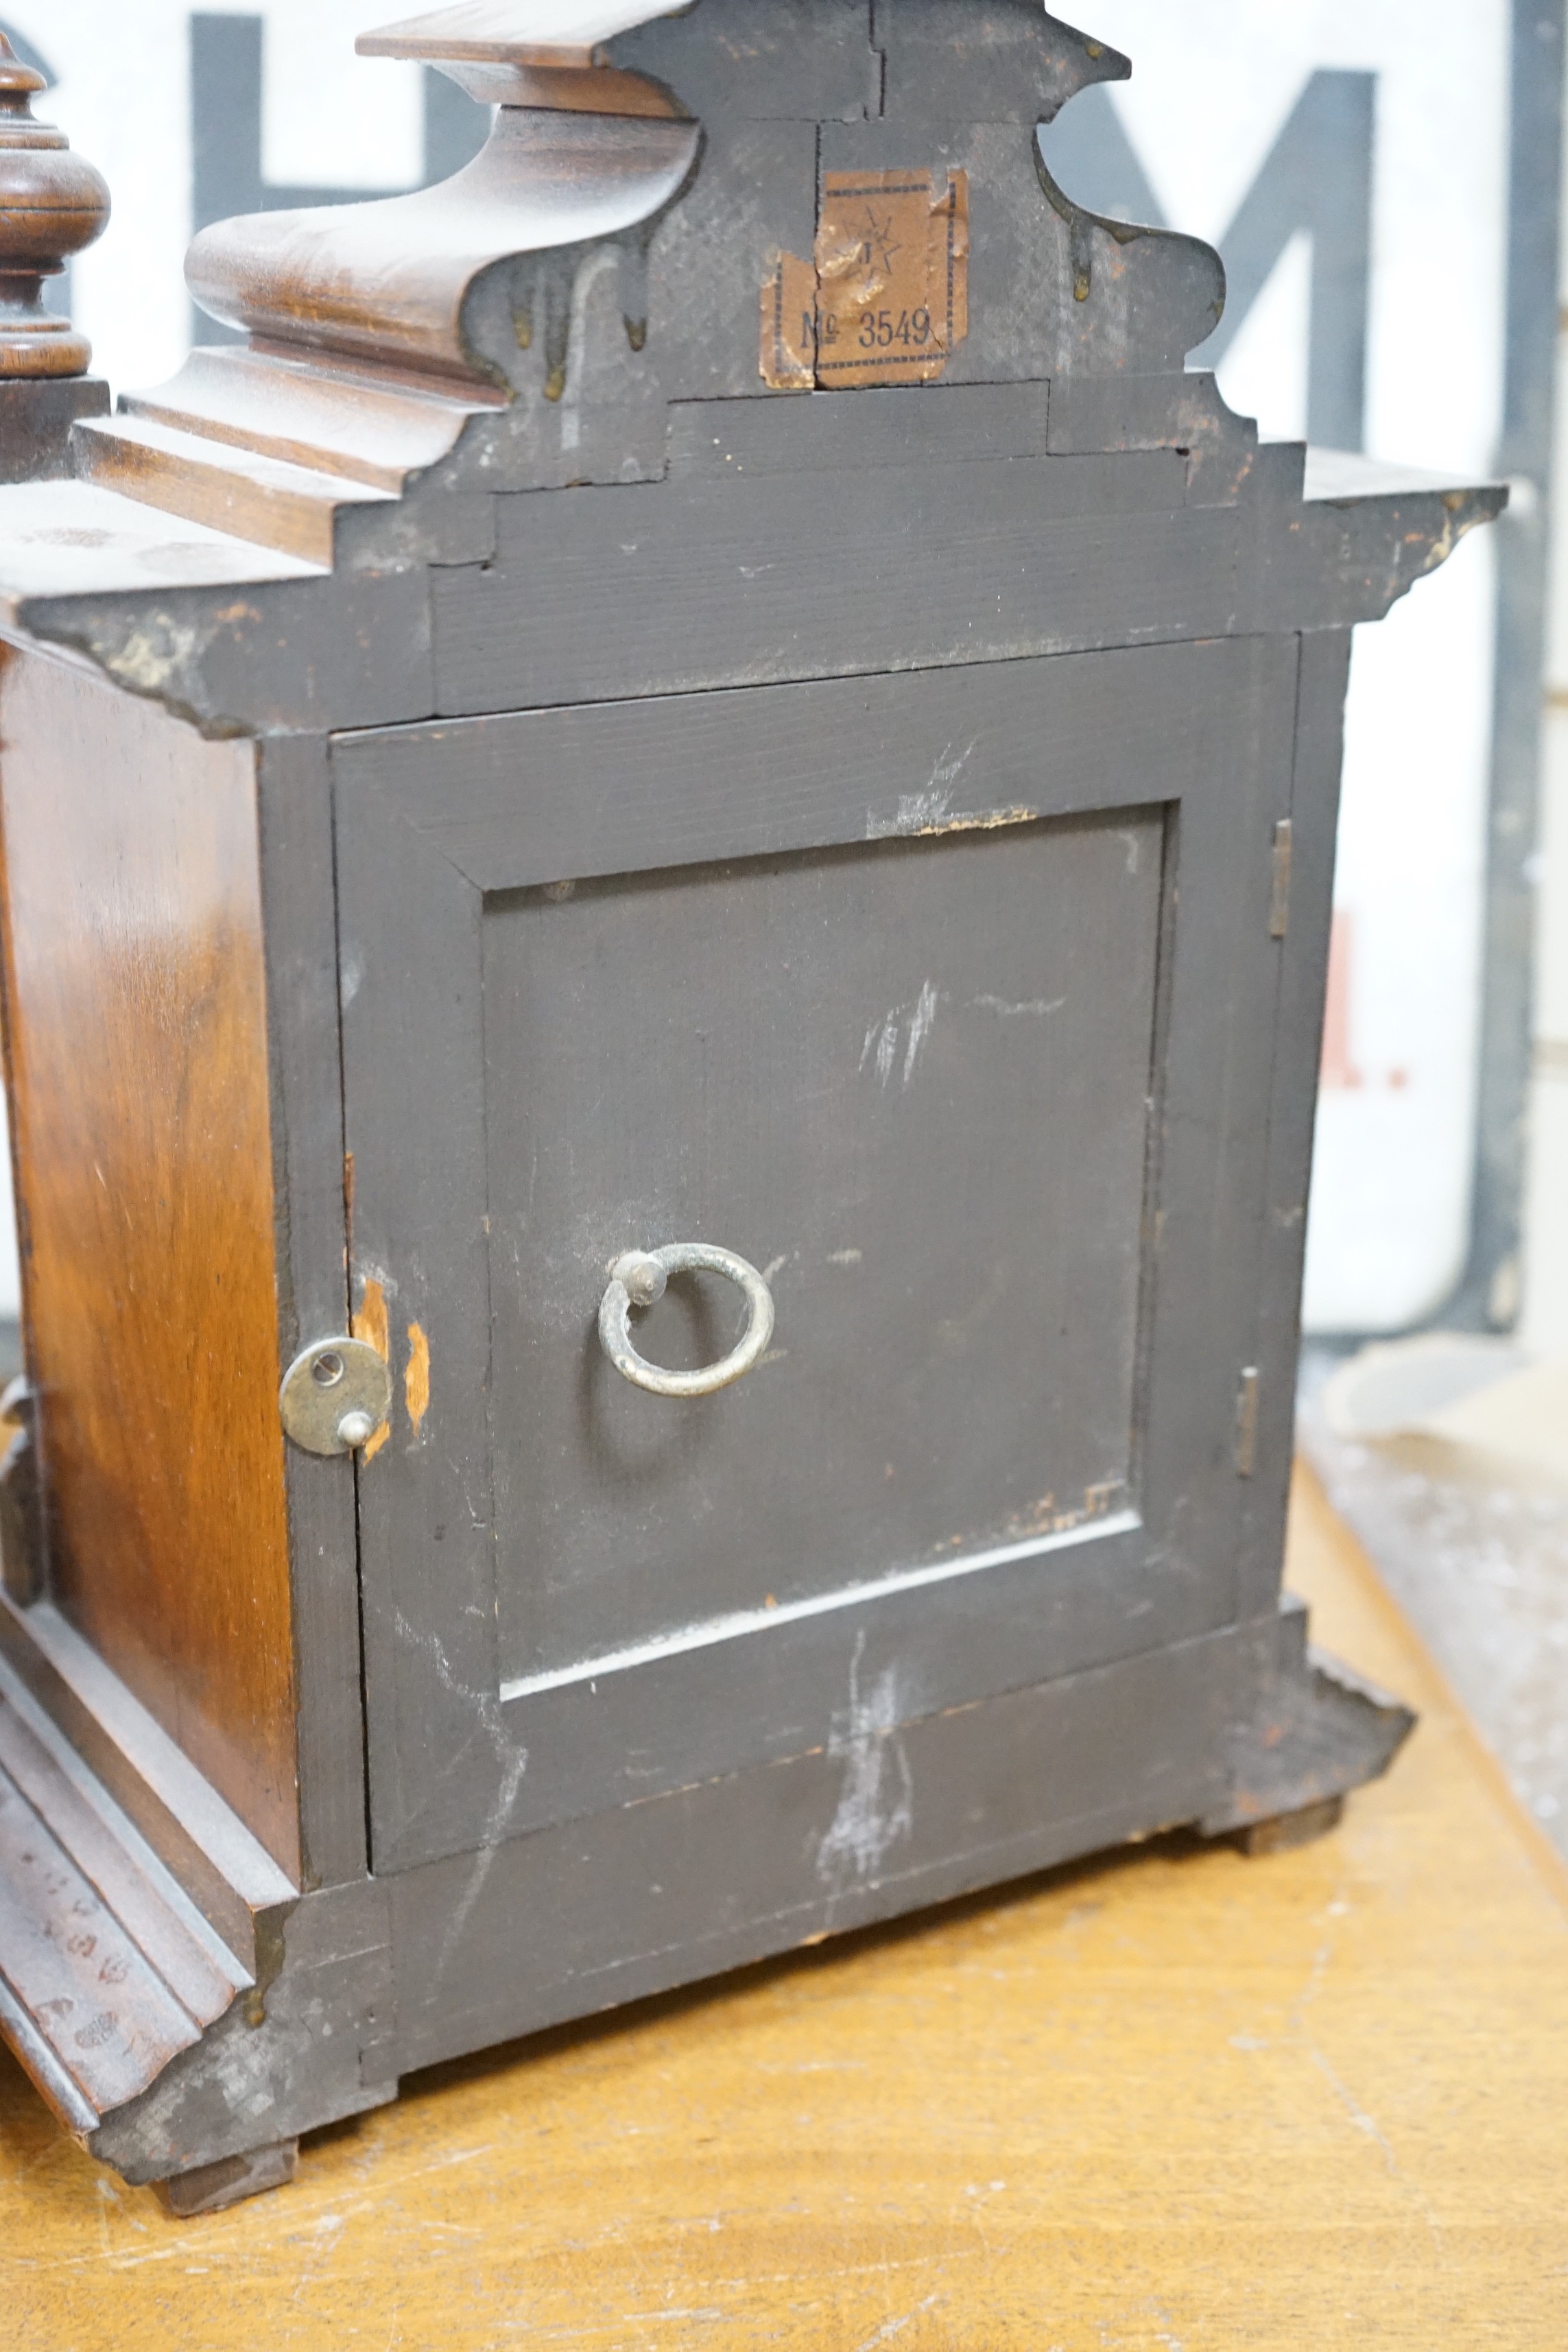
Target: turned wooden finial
{"x": 52, "y": 204}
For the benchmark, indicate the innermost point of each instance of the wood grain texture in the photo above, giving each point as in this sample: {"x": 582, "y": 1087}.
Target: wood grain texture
{"x": 1176, "y": 2099}
{"x": 254, "y": 495}
{"x": 390, "y": 281}
{"x": 138, "y": 1054}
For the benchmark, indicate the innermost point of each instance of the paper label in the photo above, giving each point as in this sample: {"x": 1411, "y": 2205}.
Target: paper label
{"x": 886, "y": 299}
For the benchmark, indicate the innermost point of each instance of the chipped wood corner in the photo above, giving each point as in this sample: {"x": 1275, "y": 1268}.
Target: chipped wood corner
{"x": 416, "y": 1376}
{"x": 371, "y": 1323}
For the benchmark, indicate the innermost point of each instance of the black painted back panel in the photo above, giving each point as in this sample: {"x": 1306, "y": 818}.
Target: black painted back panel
{"x": 911, "y": 1082}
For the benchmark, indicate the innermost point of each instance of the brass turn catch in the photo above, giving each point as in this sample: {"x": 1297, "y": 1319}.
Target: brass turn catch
{"x": 335, "y": 1396}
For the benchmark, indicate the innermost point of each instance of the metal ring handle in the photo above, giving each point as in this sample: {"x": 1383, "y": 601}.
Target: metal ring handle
{"x": 639, "y": 1278}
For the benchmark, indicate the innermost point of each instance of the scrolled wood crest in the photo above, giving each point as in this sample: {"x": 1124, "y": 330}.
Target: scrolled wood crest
{"x": 668, "y": 208}
{"x": 52, "y": 204}
{"x": 605, "y": 112}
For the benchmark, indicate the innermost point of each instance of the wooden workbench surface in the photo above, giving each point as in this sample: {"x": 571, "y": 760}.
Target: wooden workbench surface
{"x": 1174, "y": 2099}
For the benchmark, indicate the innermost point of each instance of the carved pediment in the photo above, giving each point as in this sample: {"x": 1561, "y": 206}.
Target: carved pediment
{"x": 736, "y": 201}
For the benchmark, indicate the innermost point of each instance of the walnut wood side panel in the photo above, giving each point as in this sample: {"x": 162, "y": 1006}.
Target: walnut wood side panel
{"x": 138, "y": 1066}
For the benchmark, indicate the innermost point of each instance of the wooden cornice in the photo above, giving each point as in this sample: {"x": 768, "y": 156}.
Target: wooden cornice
{"x": 378, "y": 331}
{"x": 390, "y": 283}
{"x": 527, "y": 32}
{"x": 542, "y": 54}
{"x": 579, "y": 152}
{"x": 523, "y": 326}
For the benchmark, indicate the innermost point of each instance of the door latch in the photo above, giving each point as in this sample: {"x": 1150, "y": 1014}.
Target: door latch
{"x": 335, "y": 1396}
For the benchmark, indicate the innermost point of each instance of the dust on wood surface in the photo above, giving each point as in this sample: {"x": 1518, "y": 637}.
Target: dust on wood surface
{"x": 1168, "y": 2099}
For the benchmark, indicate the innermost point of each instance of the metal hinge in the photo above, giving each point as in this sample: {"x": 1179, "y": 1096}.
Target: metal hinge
{"x": 1280, "y": 892}
{"x": 1246, "y": 1424}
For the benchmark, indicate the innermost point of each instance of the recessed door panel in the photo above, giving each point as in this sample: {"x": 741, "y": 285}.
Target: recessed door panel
{"x": 909, "y": 1082}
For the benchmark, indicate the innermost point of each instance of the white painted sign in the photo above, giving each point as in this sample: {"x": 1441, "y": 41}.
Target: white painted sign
{"x": 1208, "y": 115}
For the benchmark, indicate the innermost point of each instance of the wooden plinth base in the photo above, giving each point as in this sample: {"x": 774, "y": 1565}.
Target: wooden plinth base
{"x": 212, "y": 2187}
{"x": 1172, "y": 2096}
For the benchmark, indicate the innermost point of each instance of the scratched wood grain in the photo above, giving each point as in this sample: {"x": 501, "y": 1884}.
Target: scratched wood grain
{"x": 1173, "y": 2100}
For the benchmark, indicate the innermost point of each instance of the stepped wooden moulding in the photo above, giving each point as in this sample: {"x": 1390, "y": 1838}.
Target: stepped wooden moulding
{"x": 701, "y": 757}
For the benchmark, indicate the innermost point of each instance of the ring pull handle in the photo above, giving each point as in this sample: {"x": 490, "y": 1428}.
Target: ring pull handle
{"x": 640, "y": 1277}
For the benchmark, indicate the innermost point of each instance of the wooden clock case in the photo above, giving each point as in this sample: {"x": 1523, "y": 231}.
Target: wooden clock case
{"x": 712, "y": 681}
